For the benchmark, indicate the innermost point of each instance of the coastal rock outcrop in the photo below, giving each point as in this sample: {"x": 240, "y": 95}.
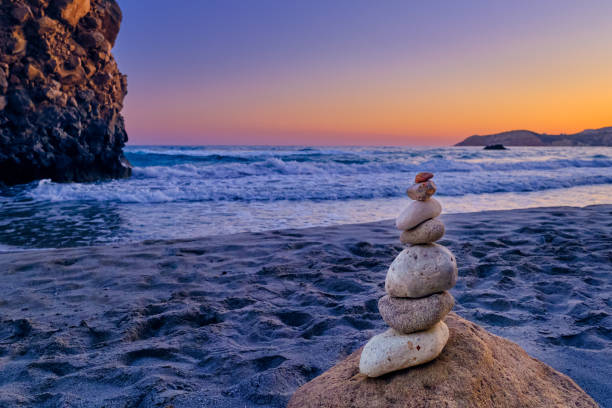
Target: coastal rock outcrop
{"x": 61, "y": 92}
{"x": 588, "y": 137}
{"x": 475, "y": 369}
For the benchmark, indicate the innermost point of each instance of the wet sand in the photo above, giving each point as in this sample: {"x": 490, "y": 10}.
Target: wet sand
{"x": 243, "y": 320}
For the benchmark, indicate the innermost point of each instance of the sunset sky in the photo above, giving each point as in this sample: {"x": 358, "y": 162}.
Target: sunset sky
{"x": 362, "y": 72}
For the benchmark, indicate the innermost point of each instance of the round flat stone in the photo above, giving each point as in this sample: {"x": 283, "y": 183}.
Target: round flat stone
{"x": 392, "y": 350}
{"x": 424, "y": 233}
{"x": 420, "y": 270}
{"x": 408, "y": 315}
{"x": 417, "y": 212}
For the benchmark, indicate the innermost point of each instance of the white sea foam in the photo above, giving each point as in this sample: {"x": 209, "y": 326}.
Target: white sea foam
{"x": 191, "y": 183}
{"x": 172, "y": 193}
{"x": 272, "y": 166}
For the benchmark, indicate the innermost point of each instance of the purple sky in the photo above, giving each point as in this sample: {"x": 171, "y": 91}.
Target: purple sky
{"x": 361, "y": 72}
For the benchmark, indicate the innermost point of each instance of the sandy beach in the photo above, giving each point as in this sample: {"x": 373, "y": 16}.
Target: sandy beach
{"x": 222, "y": 237}
{"x": 245, "y": 319}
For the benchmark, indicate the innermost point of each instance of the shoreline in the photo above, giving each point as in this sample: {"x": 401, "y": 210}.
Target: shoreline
{"x": 7, "y": 249}
{"x": 244, "y": 319}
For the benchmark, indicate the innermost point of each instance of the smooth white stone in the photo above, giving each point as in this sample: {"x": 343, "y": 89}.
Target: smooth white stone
{"x": 417, "y": 212}
{"x": 392, "y": 350}
{"x": 420, "y": 270}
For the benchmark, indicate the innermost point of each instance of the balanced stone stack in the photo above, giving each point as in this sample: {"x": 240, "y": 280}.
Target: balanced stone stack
{"x": 417, "y": 283}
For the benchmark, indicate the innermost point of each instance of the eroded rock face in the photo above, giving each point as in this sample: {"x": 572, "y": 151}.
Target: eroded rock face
{"x": 61, "y": 92}
{"x": 475, "y": 369}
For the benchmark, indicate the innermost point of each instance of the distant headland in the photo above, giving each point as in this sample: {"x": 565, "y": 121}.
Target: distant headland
{"x": 588, "y": 137}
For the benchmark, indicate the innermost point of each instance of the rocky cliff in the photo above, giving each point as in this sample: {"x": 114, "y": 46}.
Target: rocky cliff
{"x": 589, "y": 137}
{"x": 61, "y": 92}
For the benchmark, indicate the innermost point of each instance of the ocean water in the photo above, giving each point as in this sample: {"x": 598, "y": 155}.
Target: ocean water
{"x": 187, "y": 192}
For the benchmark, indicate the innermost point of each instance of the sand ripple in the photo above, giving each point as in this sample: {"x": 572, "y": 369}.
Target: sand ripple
{"x": 243, "y": 320}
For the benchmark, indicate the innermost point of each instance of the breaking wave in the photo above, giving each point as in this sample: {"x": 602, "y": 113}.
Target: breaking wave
{"x": 178, "y": 174}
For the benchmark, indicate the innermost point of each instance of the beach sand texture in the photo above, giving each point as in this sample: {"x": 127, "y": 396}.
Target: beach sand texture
{"x": 244, "y": 320}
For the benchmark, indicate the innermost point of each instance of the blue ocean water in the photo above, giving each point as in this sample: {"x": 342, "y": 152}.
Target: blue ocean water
{"x": 185, "y": 192}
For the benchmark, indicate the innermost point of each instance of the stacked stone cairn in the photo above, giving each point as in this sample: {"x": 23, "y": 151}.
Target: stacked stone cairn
{"x": 417, "y": 287}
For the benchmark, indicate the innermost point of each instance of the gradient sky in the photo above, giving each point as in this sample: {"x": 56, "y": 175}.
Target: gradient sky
{"x": 362, "y": 72}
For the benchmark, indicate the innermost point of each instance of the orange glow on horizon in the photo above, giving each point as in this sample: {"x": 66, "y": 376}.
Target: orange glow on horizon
{"x": 550, "y": 80}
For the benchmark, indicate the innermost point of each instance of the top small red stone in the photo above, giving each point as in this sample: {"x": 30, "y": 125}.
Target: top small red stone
{"x": 423, "y": 176}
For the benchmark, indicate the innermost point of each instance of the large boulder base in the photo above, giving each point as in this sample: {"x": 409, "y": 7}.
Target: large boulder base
{"x": 61, "y": 92}
{"x": 475, "y": 369}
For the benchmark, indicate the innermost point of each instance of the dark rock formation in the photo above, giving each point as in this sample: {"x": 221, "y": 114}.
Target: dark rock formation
{"x": 61, "y": 92}
{"x": 589, "y": 137}
{"x": 475, "y": 369}
{"x": 495, "y": 147}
